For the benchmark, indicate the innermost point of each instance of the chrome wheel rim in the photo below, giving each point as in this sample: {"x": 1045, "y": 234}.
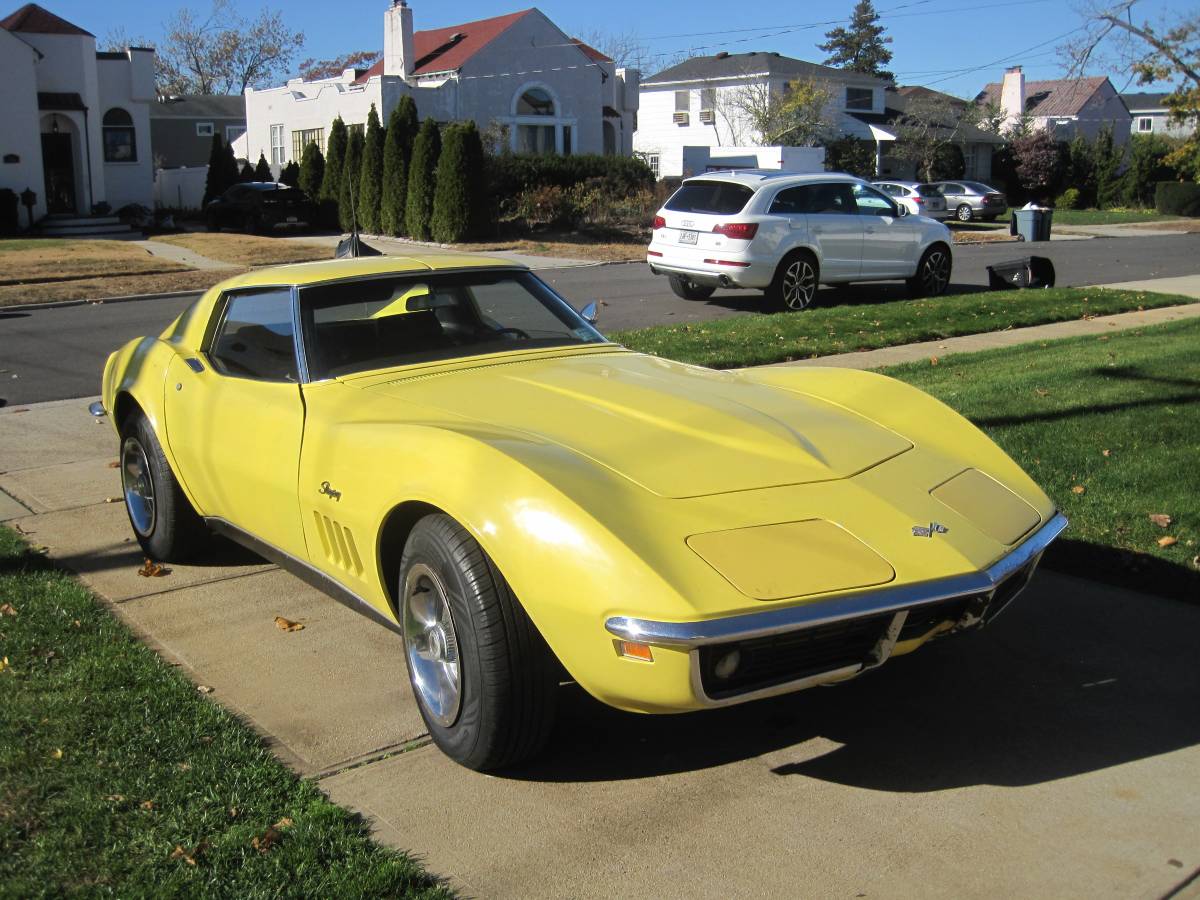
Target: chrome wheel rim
{"x": 431, "y": 645}
{"x": 964, "y": 213}
{"x": 799, "y": 284}
{"x": 935, "y": 274}
{"x": 138, "y": 486}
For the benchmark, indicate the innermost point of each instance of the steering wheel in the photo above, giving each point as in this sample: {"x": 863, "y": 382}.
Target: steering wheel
{"x": 517, "y": 331}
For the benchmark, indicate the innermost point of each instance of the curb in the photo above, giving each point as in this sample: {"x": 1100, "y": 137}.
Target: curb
{"x": 99, "y": 301}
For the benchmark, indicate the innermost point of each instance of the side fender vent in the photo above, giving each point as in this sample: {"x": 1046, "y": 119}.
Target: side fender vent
{"x": 338, "y": 544}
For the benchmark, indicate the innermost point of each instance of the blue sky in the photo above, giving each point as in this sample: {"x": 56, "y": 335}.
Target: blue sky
{"x": 953, "y": 45}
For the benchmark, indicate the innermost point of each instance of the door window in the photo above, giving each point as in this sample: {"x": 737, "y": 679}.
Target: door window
{"x": 254, "y": 338}
{"x": 950, "y": 188}
{"x": 830, "y": 199}
{"x": 872, "y": 203}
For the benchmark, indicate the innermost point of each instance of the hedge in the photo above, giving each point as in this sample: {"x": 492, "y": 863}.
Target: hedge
{"x": 510, "y": 175}
{"x": 1177, "y": 198}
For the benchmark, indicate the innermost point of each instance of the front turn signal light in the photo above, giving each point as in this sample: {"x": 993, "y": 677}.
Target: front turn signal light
{"x": 634, "y": 650}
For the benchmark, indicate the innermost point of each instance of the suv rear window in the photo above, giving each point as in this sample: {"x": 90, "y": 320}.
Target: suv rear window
{"x": 720, "y": 198}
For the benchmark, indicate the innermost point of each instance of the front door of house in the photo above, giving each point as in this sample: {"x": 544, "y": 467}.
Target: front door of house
{"x": 58, "y": 163}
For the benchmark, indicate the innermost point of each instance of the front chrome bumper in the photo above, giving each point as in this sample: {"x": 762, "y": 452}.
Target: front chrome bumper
{"x": 989, "y": 591}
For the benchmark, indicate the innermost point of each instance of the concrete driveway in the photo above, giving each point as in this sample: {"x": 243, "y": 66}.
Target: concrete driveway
{"x": 1054, "y": 754}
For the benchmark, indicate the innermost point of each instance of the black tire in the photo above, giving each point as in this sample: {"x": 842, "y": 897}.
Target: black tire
{"x": 172, "y": 531}
{"x": 689, "y": 290}
{"x": 795, "y": 284}
{"x": 963, "y": 213}
{"x": 933, "y": 272}
{"x": 507, "y": 678}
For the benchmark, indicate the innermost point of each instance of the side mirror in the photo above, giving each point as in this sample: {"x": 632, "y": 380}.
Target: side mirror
{"x": 901, "y": 211}
{"x": 589, "y": 313}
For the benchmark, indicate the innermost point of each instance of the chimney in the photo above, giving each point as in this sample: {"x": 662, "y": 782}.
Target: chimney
{"x": 1012, "y": 97}
{"x": 398, "y": 40}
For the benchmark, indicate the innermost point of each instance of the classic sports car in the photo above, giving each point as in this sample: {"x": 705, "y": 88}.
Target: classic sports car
{"x": 445, "y": 445}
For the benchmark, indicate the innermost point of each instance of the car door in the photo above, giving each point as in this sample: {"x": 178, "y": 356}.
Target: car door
{"x": 235, "y": 417}
{"x": 834, "y": 227}
{"x": 955, "y": 194}
{"x": 889, "y": 239}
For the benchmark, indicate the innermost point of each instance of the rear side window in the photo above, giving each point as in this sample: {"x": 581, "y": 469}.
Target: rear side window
{"x": 816, "y": 199}
{"x": 254, "y": 336}
{"x": 929, "y": 190}
{"x": 718, "y": 198}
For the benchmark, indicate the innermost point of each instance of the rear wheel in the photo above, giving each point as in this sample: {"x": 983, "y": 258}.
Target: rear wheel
{"x": 933, "y": 273}
{"x": 484, "y": 679}
{"x": 963, "y": 213}
{"x": 689, "y": 290}
{"x": 164, "y": 522}
{"x": 795, "y": 284}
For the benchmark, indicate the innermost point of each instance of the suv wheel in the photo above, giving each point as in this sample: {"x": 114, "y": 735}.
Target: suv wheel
{"x": 795, "y": 284}
{"x": 933, "y": 273}
{"x": 689, "y": 290}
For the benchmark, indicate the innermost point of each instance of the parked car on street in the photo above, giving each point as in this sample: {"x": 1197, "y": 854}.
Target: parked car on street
{"x": 784, "y": 234}
{"x": 969, "y": 200}
{"x": 446, "y": 446}
{"x": 920, "y": 199}
{"x": 260, "y": 206}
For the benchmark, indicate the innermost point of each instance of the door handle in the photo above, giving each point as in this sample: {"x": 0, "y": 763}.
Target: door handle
{"x": 194, "y": 364}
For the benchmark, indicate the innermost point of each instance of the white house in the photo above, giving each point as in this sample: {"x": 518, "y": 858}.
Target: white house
{"x": 701, "y": 103}
{"x": 1149, "y": 115}
{"x": 554, "y": 93}
{"x": 1064, "y": 108}
{"x": 76, "y": 121}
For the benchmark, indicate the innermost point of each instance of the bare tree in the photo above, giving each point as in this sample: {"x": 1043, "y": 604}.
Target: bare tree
{"x": 625, "y": 48}
{"x": 316, "y": 69}
{"x": 765, "y": 114}
{"x": 926, "y": 127}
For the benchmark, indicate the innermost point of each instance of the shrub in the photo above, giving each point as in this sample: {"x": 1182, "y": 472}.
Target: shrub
{"x": 395, "y": 175}
{"x": 370, "y": 179}
{"x": 458, "y": 194}
{"x": 1106, "y": 163}
{"x": 421, "y": 180}
{"x": 1068, "y": 199}
{"x": 1038, "y": 162}
{"x": 852, "y": 156}
{"x": 1080, "y": 172}
{"x": 1177, "y": 198}
{"x": 1147, "y": 166}
{"x": 247, "y": 173}
{"x": 549, "y": 206}
{"x": 312, "y": 170}
{"x": 348, "y": 215}
{"x": 331, "y": 183}
{"x": 262, "y": 169}
{"x": 510, "y": 175}
{"x": 290, "y": 174}
{"x": 216, "y": 182}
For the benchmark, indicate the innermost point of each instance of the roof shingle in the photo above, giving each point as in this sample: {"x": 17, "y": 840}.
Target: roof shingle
{"x": 1065, "y": 97}
{"x": 732, "y": 65}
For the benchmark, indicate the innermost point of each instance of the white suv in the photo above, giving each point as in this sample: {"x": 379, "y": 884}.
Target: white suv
{"x": 784, "y": 234}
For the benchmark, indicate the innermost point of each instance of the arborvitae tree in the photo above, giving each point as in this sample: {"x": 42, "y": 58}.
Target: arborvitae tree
{"x": 421, "y": 174}
{"x": 410, "y": 124}
{"x": 230, "y": 171}
{"x": 331, "y": 183}
{"x": 215, "y": 183}
{"x": 247, "y": 173}
{"x": 450, "y": 219}
{"x": 312, "y": 170}
{"x": 290, "y": 174}
{"x": 1081, "y": 171}
{"x": 861, "y": 47}
{"x": 262, "y": 169}
{"x": 395, "y": 173}
{"x": 1106, "y": 163}
{"x": 348, "y": 194}
{"x": 370, "y": 180}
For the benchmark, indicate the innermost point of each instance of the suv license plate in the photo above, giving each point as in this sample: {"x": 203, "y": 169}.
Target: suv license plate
{"x": 291, "y": 218}
{"x": 688, "y": 237}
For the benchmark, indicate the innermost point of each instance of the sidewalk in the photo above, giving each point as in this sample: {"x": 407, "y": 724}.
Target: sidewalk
{"x": 391, "y": 246}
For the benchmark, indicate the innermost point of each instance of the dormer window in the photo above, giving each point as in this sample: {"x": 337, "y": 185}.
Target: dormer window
{"x": 860, "y": 99}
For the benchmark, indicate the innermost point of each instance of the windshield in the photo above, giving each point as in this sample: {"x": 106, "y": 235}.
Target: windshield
{"x": 396, "y": 320}
{"x": 722, "y": 198}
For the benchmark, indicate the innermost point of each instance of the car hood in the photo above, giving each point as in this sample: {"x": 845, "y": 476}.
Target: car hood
{"x": 677, "y": 431}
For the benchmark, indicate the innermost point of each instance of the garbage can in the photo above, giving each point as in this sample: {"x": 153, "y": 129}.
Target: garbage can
{"x": 1033, "y": 224}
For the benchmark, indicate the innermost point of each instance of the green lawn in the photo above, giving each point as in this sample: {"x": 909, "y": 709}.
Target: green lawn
{"x": 1104, "y": 216}
{"x": 758, "y": 339}
{"x": 118, "y": 778}
{"x": 1117, "y": 416}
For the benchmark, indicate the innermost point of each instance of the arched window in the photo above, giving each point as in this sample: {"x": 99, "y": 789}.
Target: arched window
{"x": 535, "y": 102}
{"x": 120, "y": 144}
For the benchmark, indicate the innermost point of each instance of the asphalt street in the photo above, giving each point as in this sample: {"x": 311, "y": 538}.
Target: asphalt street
{"x": 58, "y": 353}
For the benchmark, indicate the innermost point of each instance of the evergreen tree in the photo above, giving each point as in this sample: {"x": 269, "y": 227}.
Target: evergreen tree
{"x": 477, "y": 193}
{"x": 370, "y": 180}
{"x": 262, "y": 169}
{"x": 1106, "y": 163}
{"x": 410, "y": 124}
{"x": 312, "y": 170}
{"x": 1081, "y": 172}
{"x": 247, "y": 173}
{"x": 450, "y": 219}
{"x": 861, "y": 47}
{"x": 215, "y": 182}
{"x": 421, "y": 174}
{"x": 229, "y": 167}
{"x": 348, "y": 215}
{"x": 331, "y": 182}
{"x": 290, "y": 174}
{"x": 397, "y": 146}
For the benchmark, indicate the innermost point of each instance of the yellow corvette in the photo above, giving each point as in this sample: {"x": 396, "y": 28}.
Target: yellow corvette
{"x": 445, "y": 445}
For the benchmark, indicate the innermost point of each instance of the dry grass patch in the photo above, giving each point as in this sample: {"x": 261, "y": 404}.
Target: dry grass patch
{"x": 59, "y": 259}
{"x": 248, "y": 250}
{"x": 568, "y": 247}
{"x": 113, "y": 286}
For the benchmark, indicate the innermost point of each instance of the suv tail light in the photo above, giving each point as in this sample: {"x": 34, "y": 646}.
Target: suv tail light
{"x": 739, "y": 231}
{"x": 659, "y": 222}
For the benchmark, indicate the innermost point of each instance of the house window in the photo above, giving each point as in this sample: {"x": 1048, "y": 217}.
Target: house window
{"x": 120, "y": 144}
{"x": 277, "y": 145}
{"x": 233, "y": 132}
{"x": 651, "y": 160}
{"x": 1145, "y": 123}
{"x": 301, "y": 139}
{"x": 708, "y": 99}
{"x": 683, "y": 101}
{"x": 204, "y": 129}
{"x": 860, "y": 98}
{"x": 538, "y": 139}
{"x": 566, "y": 140}
{"x": 535, "y": 102}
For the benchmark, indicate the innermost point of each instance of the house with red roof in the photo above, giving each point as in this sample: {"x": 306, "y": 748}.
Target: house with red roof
{"x": 550, "y": 92}
{"x": 76, "y": 120}
{"x": 1065, "y": 107}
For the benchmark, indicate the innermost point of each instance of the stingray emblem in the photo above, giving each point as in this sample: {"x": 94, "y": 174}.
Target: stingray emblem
{"x": 331, "y": 493}
{"x": 929, "y": 530}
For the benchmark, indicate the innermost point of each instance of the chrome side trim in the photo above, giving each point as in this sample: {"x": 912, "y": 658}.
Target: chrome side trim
{"x": 835, "y": 609}
{"x": 302, "y": 570}
{"x": 96, "y": 408}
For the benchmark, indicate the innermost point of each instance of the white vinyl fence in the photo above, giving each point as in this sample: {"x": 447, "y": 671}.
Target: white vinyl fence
{"x": 181, "y": 188}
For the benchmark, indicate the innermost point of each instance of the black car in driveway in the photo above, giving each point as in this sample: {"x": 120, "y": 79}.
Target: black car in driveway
{"x": 260, "y": 206}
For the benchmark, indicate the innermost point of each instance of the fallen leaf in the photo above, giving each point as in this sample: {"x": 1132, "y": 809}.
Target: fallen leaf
{"x": 185, "y": 767}
{"x": 56, "y": 754}
{"x": 112, "y": 499}
{"x": 287, "y": 625}
{"x": 151, "y": 569}
{"x": 933, "y": 360}
{"x": 264, "y": 842}
{"x": 1041, "y": 392}
{"x": 23, "y": 409}
{"x": 1167, "y": 541}
{"x": 115, "y": 464}
{"x": 76, "y": 623}
{"x": 204, "y": 689}
{"x": 283, "y": 823}
{"x": 189, "y": 858}
{"x": 1106, "y": 453}
{"x": 147, "y": 804}
{"x": 1078, "y": 489}
{"x": 115, "y": 798}
{"x": 233, "y": 812}
{"x": 3, "y": 664}
{"x": 7, "y": 609}
{"x": 1162, "y": 520}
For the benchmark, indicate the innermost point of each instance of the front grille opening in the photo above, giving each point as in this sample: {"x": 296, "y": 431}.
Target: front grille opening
{"x": 923, "y": 619}
{"x": 777, "y": 659}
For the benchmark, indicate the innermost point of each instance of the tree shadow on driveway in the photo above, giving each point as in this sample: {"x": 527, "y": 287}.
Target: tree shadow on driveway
{"x": 1073, "y": 678}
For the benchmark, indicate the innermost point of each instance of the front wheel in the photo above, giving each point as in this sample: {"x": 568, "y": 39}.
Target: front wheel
{"x": 963, "y": 213}
{"x": 933, "y": 273}
{"x": 795, "y": 284}
{"x": 484, "y": 679}
{"x": 689, "y": 290}
{"x": 164, "y": 522}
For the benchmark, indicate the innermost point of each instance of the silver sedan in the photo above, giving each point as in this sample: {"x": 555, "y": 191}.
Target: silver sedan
{"x": 969, "y": 200}
{"x": 921, "y": 199}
